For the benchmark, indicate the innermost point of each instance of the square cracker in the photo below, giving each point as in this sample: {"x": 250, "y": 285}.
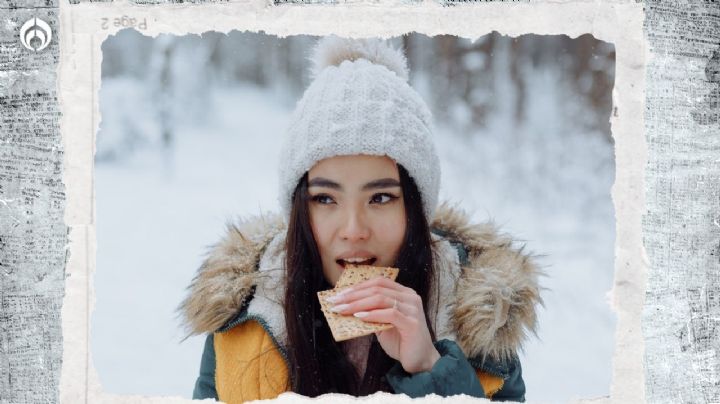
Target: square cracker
{"x": 348, "y": 327}
{"x": 355, "y": 274}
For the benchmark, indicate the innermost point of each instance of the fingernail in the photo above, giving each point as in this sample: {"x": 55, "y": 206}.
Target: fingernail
{"x": 361, "y": 314}
{"x": 338, "y": 296}
{"x": 339, "y": 308}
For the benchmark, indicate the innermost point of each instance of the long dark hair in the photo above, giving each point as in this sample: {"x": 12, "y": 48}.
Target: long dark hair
{"x": 317, "y": 363}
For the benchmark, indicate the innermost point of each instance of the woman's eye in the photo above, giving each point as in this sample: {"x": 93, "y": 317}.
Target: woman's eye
{"x": 322, "y": 199}
{"x": 382, "y": 198}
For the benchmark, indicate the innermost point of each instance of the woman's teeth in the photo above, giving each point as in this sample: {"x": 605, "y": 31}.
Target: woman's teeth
{"x": 356, "y": 261}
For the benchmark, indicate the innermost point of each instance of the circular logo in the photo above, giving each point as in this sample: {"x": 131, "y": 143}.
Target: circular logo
{"x": 35, "y": 34}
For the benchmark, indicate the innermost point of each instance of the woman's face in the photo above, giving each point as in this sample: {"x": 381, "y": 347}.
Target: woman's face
{"x": 357, "y": 212}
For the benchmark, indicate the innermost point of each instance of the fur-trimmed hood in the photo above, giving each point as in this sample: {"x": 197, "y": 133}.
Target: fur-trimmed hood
{"x": 486, "y": 305}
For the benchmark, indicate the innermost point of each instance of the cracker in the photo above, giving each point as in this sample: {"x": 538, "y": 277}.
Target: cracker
{"x": 354, "y": 274}
{"x": 348, "y": 327}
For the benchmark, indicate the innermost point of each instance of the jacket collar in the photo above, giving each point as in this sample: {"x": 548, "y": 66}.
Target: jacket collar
{"x": 486, "y": 302}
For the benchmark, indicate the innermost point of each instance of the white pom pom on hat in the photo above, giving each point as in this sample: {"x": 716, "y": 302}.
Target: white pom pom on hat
{"x": 360, "y": 103}
{"x": 332, "y": 51}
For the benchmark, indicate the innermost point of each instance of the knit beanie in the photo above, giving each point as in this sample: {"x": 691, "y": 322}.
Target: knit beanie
{"x": 360, "y": 103}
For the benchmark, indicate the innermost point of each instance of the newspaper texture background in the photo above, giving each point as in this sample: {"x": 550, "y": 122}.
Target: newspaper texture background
{"x": 681, "y": 322}
{"x": 680, "y": 231}
{"x": 33, "y": 235}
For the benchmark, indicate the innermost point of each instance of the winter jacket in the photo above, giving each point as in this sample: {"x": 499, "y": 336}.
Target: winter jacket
{"x": 481, "y": 311}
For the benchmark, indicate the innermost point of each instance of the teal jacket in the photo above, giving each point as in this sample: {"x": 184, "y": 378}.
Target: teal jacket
{"x": 452, "y": 374}
{"x": 487, "y": 299}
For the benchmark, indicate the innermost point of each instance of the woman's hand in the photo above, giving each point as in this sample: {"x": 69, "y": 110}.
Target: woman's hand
{"x": 381, "y": 300}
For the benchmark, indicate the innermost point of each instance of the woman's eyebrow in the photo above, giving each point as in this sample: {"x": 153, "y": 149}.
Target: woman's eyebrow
{"x": 382, "y": 183}
{"x": 324, "y": 182}
{"x": 375, "y": 184}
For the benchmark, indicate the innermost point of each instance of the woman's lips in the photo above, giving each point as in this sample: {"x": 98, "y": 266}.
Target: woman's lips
{"x": 369, "y": 261}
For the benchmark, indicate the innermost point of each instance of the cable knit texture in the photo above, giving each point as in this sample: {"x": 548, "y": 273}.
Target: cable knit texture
{"x": 360, "y": 103}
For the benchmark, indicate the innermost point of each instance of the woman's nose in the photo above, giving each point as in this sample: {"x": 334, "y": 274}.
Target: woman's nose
{"x": 354, "y": 227}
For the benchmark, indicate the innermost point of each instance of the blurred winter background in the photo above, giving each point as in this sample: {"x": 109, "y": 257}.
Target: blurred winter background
{"x": 189, "y": 139}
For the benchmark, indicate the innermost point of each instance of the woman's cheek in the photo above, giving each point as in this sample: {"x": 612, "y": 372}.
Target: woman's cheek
{"x": 393, "y": 228}
{"x": 323, "y": 237}
{"x": 320, "y": 225}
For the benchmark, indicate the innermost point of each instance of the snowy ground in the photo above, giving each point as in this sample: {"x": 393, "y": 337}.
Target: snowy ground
{"x": 158, "y": 212}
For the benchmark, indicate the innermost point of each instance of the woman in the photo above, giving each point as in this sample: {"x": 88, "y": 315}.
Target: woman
{"x": 359, "y": 183}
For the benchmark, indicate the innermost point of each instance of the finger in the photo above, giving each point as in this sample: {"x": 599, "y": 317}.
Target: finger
{"x": 375, "y": 302}
{"x": 389, "y": 316}
{"x": 372, "y": 301}
{"x": 338, "y": 296}
{"x": 380, "y": 285}
{"x": 353, "y": 295}
{"x": 380, "y": 281}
